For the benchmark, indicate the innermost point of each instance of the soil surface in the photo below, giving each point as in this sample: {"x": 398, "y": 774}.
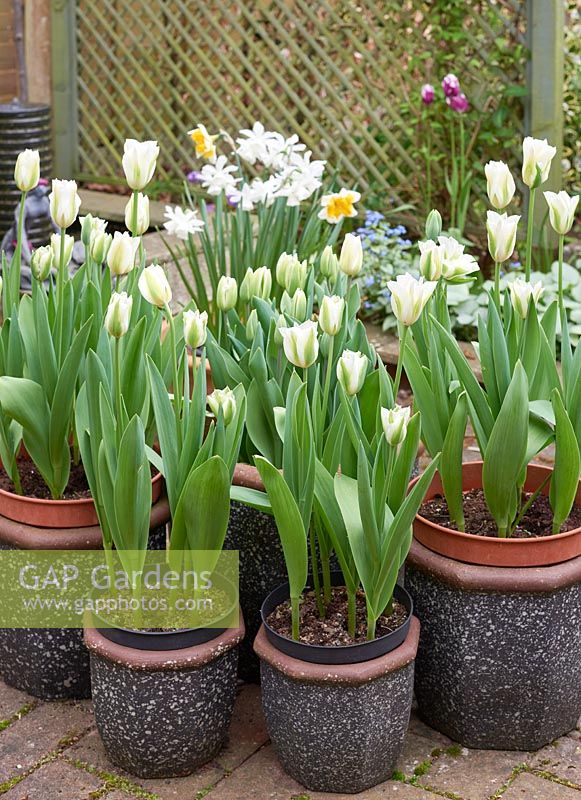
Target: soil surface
{"x": 536, "y": 522}
{"x": 332, "y": 631}
{"x": 33, "y": 484}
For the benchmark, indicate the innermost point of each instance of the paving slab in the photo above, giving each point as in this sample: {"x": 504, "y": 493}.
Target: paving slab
{"x": 386, "y": 791}
{"x": 420, "y": 728}
{"x": 49, "y": 727}
{"x": 11, "y": 702}
{"x": 55, "y": 780}
{"x": 248, "y": 729}
{"x": 472, "y": 774}
{"x": 562, "y": 758}
{"x": 531, "y": 787}
{"x": 261, "y": 777}
{"x": 417, "y": 752}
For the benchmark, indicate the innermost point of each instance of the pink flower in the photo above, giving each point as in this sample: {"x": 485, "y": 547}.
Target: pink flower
{"x": 458, "y": 103}
{"x": 451, "y": 85}
{"x": 427, "y": 94}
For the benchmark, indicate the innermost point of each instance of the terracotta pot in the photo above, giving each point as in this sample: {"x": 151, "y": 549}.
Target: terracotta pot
{"x": 491, "y": 551}
{"x": 499, "y": 660}
{"x": 340, "y": 727}
{"x": 163, "y": 713}
{"x": 59, "y": 513}
{"x": 52, "y": 663}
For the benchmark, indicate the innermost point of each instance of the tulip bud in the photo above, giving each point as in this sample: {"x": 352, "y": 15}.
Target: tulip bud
{"x": 41, "y": 262}
{"x": 64, "y": 203}
{"x": 561, "y": 210}
{"x": 295, "y": 275}
{"x": 521, "y": 293}
{"x": 139, "y": 160}
{"x": 537, "y": 157}
{"x": 301, "y": 346}
{"x": 225, "y": 400}
{"x": 298, "y": 308}
{"x": 329, "y": 264}
{"x": 430, "y": 260}
{"x": 351, "y": 371}
{"x": 247, "y": 285}
{"x": 195, "y": 328}
{"x": 90, "y": 226}
{"x": 100, "y": 244}
{"x": 395, "y": 422}
{"x": 154, "y": 286}
{"x": 142, "y": 220}
{"x": 433, "y": 224}
{"x": 331, "y": 314}
{"x": 409, "y": 296}
{"x": 118, "y": 314}
{"x": 27, "y": 170}
{"x": 280, "y": 323}
{"x": 122, "y": 252}
{"x": 226, "y": 293}
{"x": 55, "y": 244}
{"x": 251, "y": 325}
{"x": 499, "y": 184}
{"x": 284, "y": 260}
{"x": 351, "y": 258}
{"x": 501, "y": 235}
{"x": 262, "y": 283}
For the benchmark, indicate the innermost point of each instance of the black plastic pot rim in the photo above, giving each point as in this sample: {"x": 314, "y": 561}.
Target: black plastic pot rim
{"x": 336, "y": 654}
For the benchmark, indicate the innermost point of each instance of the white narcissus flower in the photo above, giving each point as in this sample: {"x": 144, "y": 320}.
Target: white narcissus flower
{"x": 226, "y": 293}
{"x": 182, "y": 223}
{"x": 99, "y": 247}
{"x": 27, "y": 170}
{"x": 501, "y": 235}
{"x": 521, "y": 293}
{"x": 41, "y": 262}
{"x": 351, "y": 371}
{"x": 457, "y": 266}
{"x": 331, "y": 314}
{"x": 55, "y": 244}
{"x": 536, "y": 163}
{"x": 225, "y": 400}
{"x": 256, "y": 143}
{"x": 409, "y": 296}
{"x": 339, "y": 205}
{"x": 139, "y": 159}
{"x": 499, "y": 184}
{"x": 64, "y": 203}
{"x": 301, "y": 345}
{"x": 195, "y": 328}
{"x": 154, "y": 286}
{"x": 118, "y": 314}
{"x": 218, "y": 177}
{"x": 142, "y": 217}
{"x": 561, "y": 210}
{"x": 351, "y": 258}
{"x": 430, "y": 260}
{"x": 121, "y": 253}
{"x": 395, "y": 423}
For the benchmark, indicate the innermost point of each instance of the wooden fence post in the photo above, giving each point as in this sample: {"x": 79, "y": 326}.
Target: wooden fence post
{"x": 544, "y": 112}
{"x": 64, "y": 88}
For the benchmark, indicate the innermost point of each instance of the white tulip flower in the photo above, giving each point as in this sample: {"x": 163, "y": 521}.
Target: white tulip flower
{"x": 430, "y": 260}
{"x": 251, "y": 325}
{"x": 298, "y": 305}
{"x": 329, "y": 264}
{"x": 501, "y": 235}
{"x": 395, "y": 422}
{"x": 331, "y": 314}
{"x": 262, "y": 283}
{"x": 64, "y": 203}
{"x": 195, "y": 328}
{"x": 537, "y": 157}
{"x": 351, "y": 258}
{"x": 142, "y": 218}
{"x": 351, "y": 371}
{"x": 301, "y": 345}
{"x": 295, "y": 276}
{"x": 118, "y": 314}
{"x": 226, "y": 293}
{"x": 521, "y": 293}
{"x": 457, "y": 266}
{"x": 409, "y": 296}
{"x": 41, "y": 262}
{"x": 55, "y": 244}
{"x": 91, "y": 226}
{"x": 27, "y": 170}
{"x": 282, "y": 265}
{"x": 121, "y": 253}
{"x": 99, "y": 247}
{"x": 500, "y": 184}
{"x": 139, "y": 160}
{"x": 224, "y": 399}
{"x": 561, "y": 210}
{"x": 154, "y": 286}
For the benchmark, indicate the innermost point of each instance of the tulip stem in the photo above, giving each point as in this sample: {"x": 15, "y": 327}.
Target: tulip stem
{"x": 497, "y": 283}
{"x": 17, "y": 257}
{"x": 134, "y": 214}
{"x": 530, "y": 220}
{"x": 326, "y": 394}
{"x": 60, "y": 290}
{"x": 399, "y": 363}
{"x": 561, "y": 299}
{"x": 118, "y": 399}
{"x": 176, "y": 384}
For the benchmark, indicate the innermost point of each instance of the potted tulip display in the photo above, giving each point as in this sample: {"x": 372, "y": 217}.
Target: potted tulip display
{"x": 495, "y": 567}
{"x": 337, "y": 659}
{"x": 45, "y": 338}
{"x": 163, "y": 694}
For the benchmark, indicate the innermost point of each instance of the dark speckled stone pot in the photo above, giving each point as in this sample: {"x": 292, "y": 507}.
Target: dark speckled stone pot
{"x": 338, "y": 728}
{"x": 53, "y": 663}
{"x": 499, "y": 661}
{"x": 162, "y": 714}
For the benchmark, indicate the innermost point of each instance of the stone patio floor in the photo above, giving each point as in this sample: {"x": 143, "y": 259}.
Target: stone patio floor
{"x": 52, "y": 751}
